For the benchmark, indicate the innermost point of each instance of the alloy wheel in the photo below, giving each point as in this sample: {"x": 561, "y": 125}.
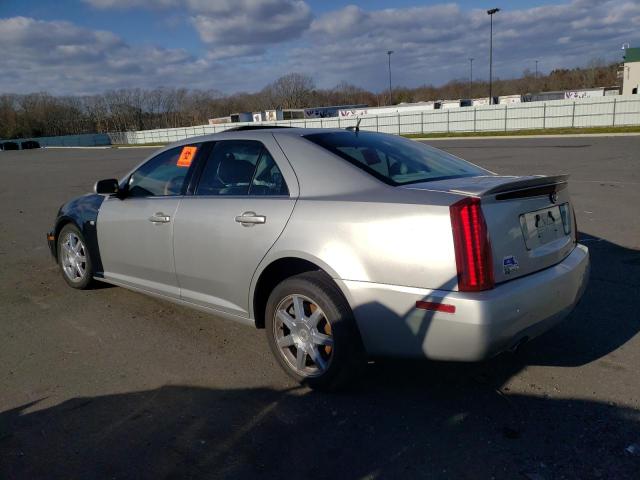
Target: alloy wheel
{"x": 73, "y": 258}
{"x": 303, "y": 335}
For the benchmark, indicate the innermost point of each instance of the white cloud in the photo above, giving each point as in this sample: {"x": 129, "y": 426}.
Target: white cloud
{"x": 232, "y": 23}
{"x": 249, "y": 43}
{"x": 258, "y": 23}
{"x": 433, "y": 43}
{"x": 63, "y": 58}
{"x": 124, "y": 4}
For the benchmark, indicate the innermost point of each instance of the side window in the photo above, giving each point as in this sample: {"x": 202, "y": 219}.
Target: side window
{"x": 162, "y": 175}
{"x": 268, "y": 179}
{"x": 235, "y": 167}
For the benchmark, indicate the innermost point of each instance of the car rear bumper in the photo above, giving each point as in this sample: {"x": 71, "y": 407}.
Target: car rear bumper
{"x": 483, "y": 324}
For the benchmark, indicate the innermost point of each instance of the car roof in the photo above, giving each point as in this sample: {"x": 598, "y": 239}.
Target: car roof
{"x": 252, "y": 132}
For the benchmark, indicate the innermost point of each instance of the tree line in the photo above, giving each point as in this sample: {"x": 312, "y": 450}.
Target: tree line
{"x": 42, "y": 114}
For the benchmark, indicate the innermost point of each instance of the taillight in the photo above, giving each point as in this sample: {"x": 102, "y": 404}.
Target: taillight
{"x": 471, "y": 241}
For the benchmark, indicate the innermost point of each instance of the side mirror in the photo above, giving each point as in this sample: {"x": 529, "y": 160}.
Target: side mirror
{"x": 107, "y": 187}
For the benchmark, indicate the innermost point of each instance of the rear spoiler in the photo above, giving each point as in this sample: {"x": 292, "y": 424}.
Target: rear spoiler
{"x": 519, "y": 187}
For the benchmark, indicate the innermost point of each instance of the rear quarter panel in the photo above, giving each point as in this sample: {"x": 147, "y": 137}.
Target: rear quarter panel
{"x": 359, "y": 228}
{"x": 406, "y": 241}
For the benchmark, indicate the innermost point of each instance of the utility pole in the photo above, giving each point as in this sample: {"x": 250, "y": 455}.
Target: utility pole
{"x": 389, "y": 52}
{"x": 536, "y": 69}
{"x": 470, "y": 77}
{"x": 491, "y": 13}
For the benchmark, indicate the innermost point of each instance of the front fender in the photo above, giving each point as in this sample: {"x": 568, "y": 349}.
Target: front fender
{"x": 83, "y": 213}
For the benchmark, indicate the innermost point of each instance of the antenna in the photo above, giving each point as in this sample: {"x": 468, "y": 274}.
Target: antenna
{"x": 357, "y": 127}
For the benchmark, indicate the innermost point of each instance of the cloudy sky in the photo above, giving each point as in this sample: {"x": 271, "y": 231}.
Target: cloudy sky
{"x": 86, "y": 46}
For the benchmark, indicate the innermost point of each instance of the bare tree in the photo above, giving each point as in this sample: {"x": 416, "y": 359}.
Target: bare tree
{"x": 41, "y": 114}
{"x": 291, "y": 90}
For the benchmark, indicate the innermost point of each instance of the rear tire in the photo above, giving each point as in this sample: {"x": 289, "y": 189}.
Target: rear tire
{"x": 74, "y": 259}
{"x": 312, "y": 333}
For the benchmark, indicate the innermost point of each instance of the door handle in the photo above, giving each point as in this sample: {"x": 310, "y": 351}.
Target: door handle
{"x": 248, "y": 219}
{"x": 159, "y": 218}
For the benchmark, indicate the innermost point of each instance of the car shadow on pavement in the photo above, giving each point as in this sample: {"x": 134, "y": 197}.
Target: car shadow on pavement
{"x": 444, "y": 426}
{"x": 405, "y": 419}
{"x": 606, "y": 318}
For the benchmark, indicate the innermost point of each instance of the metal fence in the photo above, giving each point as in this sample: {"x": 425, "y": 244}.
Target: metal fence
{"x": 579, "y": 113}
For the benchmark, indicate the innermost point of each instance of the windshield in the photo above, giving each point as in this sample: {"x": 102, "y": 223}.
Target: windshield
{"x": 395, "y": 160}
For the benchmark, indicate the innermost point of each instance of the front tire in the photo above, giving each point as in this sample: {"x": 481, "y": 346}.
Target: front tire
{"x": 74, "y": 258}
{"x": 312, "y": 333}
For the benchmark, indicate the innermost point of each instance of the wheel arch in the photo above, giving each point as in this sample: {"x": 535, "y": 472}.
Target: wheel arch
{"x": 278, "y": 269}
{"x": 60, "y": 224}
{"x": 88, "y": 230}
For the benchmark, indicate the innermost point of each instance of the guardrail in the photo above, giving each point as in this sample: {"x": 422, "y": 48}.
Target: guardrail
{"x": 590, "y": 112}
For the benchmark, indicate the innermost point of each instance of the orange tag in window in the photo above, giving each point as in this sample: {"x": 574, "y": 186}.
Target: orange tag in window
{"x": 186, "y": 156}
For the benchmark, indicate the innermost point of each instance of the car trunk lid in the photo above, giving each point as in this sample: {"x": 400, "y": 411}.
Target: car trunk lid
{"x": 529, "y": 219}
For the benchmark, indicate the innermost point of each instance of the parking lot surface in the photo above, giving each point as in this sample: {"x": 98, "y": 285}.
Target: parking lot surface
{"x": 108, "y": 383}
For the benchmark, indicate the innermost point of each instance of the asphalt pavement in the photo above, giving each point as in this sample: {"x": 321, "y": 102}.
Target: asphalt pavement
{"x": 109, "y": 383}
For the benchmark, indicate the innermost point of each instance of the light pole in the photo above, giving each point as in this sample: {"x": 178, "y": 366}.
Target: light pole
{"x": 470, "y": 77}
{"x": 536, "y": 69}
{"x": 491, "y": 13}
{"x": 389, "y": 52}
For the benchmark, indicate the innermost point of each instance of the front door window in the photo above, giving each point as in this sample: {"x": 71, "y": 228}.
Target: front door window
{"x": 163, "y": 175}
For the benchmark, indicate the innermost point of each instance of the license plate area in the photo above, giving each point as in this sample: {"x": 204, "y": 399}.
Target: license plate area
{"x": 544, "y": 226}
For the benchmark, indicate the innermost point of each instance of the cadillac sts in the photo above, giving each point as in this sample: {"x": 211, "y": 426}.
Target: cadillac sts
{"x": 340, "y": 244}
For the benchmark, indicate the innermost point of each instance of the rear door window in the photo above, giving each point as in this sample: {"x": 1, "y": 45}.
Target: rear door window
{"x": 240, "y": 167}
{"x": 268, "y": 179}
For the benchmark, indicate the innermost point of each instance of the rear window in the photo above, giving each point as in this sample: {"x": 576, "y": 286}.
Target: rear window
{"x": 395, "y": 160}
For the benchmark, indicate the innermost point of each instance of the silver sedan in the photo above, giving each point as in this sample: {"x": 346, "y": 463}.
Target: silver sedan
{"x": 339, "y": 243}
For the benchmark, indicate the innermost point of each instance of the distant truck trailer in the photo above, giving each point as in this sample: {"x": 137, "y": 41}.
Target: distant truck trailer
{"x": 388, "y": 110}
{"x": 242, "y": 117}
{"x": 476, "y": 102}
{"x": 509, "y": 99}
{"x": 330, "y": 112}
{"x": 446, "y": 104}
{"x": 292, "y": 114}
{"x": 585, "y": 93}
{"x": 571, "y": 94}
{"x": 219, "y": 120}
